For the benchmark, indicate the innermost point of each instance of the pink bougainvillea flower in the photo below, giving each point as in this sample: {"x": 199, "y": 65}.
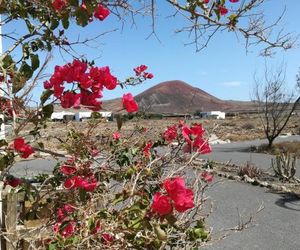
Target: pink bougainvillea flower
{"x": 96, "y": 227}
{"x": 101, "y": 12}
{"x": 223, "y": 10}
{"x": 233, "y": 1}
{"x": 147, "y": 75}
{"x": 174, "y": 186}
{"x": 161, "y": 204}
{"x": 70, "y": 183}
{"x": 140, "y": 69}
{"x": 62, "y": 213}
{"x": 129, "y": 103}
{"x": 48, "y": 85}
{"x": 184, "y": 200}
{"x": 206, "y": 176}
{"x": 206, "y": 1}
{"x": 67, "y": 170}
{"x": 107, "y": 238}
{"x": 68, "y": 230}
{"x": 19, "y": 143}
{"x": 59, "y": 4}
{"x": 22, "y": 148}
{"x": 70, "y": 99}
{"x": 116, "y": 135}
{"x": 89, "y": 183}
{"x": 94, "y": 152}
{"x": 13, "y": 181}
{"x": 146, "y": 149}
{"x": 170, "y": 133}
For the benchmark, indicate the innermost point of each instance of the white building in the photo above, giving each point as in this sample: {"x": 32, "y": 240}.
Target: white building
{"x": 79, "y": 116}
{"x": 213, "y": 114}
{"x": 60, "y": 116}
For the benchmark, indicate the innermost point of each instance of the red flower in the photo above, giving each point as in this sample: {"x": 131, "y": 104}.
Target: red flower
{"x": 21, "y": 147}
{"x": 70, "y": 183}
{"x": 147, "y": 75}
{"x": 67, "y": 170}
{"x": 116, "y": 135}
{"x": 194, "y": 138}
{"x": 70, "y": 99}
{"x": 68, "y": 230}
{"x": 161, "y": 204}
{"x": 129, "y": 103}
{"x": 19, "y": 143}
{"x": 223, "y": 10}
{"x": 13, "y": 182}
{"x": 107, "y": 238}
{"x": 140, "y": 69}
{"x": 48, "y": 85}
{"x": 88, "y": 183}
{"x": 233, "y": 1}
{"x": 184, "y": 200}
{"x": 97, "y": 227}
{"x": 27, "y": 151}
{"x": 146, "y": 149}
{"x": 101, "y": 12}
{"x": 170, "y": 133}
{"x": 207, "y": 176}
{"x": 206, "y": 1}
{"x": 59, "y": 4}
{"x": 174, "y": 186}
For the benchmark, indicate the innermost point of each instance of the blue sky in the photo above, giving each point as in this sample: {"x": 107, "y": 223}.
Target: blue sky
{"x": 223, "y": 69}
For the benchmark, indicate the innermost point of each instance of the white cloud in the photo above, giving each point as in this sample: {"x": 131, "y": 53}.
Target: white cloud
{"x": 232, "y": 84}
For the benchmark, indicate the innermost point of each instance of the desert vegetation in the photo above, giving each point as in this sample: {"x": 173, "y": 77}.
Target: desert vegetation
{"x": 133, "y": 184}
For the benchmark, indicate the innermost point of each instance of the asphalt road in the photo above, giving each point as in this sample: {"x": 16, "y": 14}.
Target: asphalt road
{"x": 276, "y": 227}
{"x": 238, "y": 153}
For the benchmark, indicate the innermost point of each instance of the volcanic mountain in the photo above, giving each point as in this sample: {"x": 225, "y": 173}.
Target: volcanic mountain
{"x": 178, "y": 97}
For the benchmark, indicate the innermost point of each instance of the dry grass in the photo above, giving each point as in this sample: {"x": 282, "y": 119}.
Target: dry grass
{"x": 240, "y": 128}
{"x": 292, "y": 148}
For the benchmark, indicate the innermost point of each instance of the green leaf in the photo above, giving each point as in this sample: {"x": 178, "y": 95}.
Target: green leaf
{"x": 19, "y": 81}
{"x": 26, "y": 70}
{"x": 4, "y": 162}
{"x": 46, "y": 95}
{"x": 65, "y": 22}
{"x": 30, "y": 26}
{"x": 48, "y": 110}
{"x": 52, "y": 247}
{"x": 3, "y": 143}
{"x": 54, "y": 24}
{"x": 35, "y": 62}
{"x": 7, "y": 61}
{"x": 73, "y": 3}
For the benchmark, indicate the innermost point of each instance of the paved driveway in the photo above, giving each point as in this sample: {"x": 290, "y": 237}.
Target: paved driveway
{"x": 276, "y": 227}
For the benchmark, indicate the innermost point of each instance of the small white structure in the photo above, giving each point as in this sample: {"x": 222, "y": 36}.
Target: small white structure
{"x": 60, "y": 116}
{"x": 79, "y": 116}
{"x": 2, "y": 127}
{"x": 213, "y": 114}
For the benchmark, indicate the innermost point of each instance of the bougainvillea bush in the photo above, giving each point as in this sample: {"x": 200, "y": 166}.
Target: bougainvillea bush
{"x": 123, "y": 192}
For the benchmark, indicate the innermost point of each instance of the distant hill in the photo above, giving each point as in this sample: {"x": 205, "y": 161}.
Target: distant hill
{"x": 178, "y": 97}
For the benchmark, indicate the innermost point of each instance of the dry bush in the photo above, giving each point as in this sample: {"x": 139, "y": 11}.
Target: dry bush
{"x": 248, "y": 126}
{"x": 250, "y": 170}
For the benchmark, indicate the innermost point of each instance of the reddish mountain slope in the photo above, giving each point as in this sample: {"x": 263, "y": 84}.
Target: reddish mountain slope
{"x": 178, "y": 97}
